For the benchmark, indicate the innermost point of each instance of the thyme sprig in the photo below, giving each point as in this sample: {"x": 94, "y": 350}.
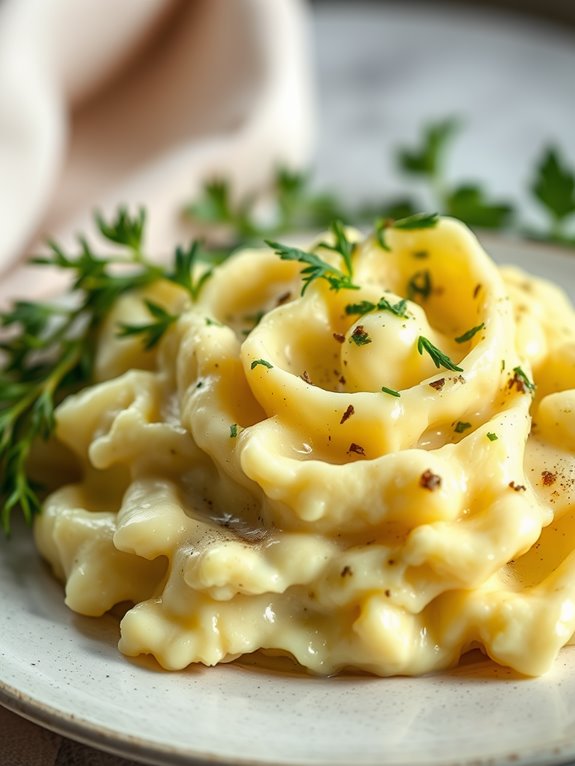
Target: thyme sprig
{"x": 48, "y": 349}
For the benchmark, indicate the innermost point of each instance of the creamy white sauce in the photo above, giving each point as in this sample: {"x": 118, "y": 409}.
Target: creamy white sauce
{"x": 296, "y": 507}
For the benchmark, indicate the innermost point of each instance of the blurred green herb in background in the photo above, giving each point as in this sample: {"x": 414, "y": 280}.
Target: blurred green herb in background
{"x": 297, "y": 206}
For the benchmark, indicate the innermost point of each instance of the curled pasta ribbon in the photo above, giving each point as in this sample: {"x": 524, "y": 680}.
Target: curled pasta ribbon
{"x": 379, "y": 476}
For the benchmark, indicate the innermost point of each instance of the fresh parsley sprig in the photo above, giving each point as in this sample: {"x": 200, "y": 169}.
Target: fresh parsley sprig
{"x": 48, "y": 349}
{"x": 316, "y": 267}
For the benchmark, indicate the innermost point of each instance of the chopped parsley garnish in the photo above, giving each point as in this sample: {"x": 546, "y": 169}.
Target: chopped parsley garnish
{"x": 521, "y": 381}
{"x": 492, "y": 437}
{"x": 359, "y": 336}
{"x": 419, "y": 284}
{"x": 461, "y": 426}
{"x": 365, "y": 307}
{"x": 438, "y": 357}
{"x": 390, "y": 391}
{"x": 410, "y": 223}
{"x": 233, "y": 430}
{"x": 427, "y": 158}
{"x": 263, "y": 362}
{"x": 470, "y": 333}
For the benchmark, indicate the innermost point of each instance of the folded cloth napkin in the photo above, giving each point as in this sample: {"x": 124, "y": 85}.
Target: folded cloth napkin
{"x": 138, "y": 102}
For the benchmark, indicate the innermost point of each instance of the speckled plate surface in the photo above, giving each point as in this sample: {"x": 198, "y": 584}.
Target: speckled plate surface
{"x": 65, "y": 673}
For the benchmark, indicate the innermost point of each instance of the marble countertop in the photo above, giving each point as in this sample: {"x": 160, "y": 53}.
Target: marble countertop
{"x": 382, "y": 71}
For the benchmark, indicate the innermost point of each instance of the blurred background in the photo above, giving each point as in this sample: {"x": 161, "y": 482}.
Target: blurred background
{"x": 505, "y": 70}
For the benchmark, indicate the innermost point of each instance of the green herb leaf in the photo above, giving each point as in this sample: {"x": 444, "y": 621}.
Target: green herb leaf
{"x": 359, "y": 336}
{"x": 213, "y": 205}
{"x": 233, "y": 430}
{"x": 185, "y": 260}
{"x": 50, "y": 349}
{"x": 263, "y": 363}
{"x": 125, "y": 229}
{"x": 417, "y": 221}
{"x": 521, "y": 381}
{"x": 426, "y": 159}
{"x": 470, "y": 204}
{"x": 341, "y": 245}
{"x": 492, "y": 437}
{"x": 366, "y": 307}
{"x": 410, "y": 223}
{"x": 438, "y": 357}
{"x": 419, "y": 284}
{"x": 461, "y": 426}
{"x": 390, "y": 391}
{"x": 554, "y": 186}
{"x": 315, "y": 267}
{"x": 151, "y": 332}
{"x": 470, "y": 333}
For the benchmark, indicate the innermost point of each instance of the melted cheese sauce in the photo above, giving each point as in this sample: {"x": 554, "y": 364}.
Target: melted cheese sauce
{"x": 249, "y": 485}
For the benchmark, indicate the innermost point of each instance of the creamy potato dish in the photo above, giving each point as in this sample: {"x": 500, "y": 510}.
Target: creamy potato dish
{"x": 376, "y": 473}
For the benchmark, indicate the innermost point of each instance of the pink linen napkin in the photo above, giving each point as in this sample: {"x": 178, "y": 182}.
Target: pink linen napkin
{"x": 138, "y": 102}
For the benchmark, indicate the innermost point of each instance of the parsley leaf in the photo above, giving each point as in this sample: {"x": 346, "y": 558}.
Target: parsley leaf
{"x": 410, "y": 223}
{"x": 360, "y": 336}
{"x": 554, "y": 188}
{"x": 315, "y": 267}
{"x": 183, "y": 273}
{"x": 262, "y": 362}
{"x": 419, "y": 284}
{"x": 470, "y": 204}
{"x": 152, "y": 332}
{"x": 438, "y": 357}
{"x": 342, "y": 245}
{"x": 366, "y": 307}
{"x": 417, "y": 221}
{"x": 470, "y": 333}
{"x": 427, "y": 159}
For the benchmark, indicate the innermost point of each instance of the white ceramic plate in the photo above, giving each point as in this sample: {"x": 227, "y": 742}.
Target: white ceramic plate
{"x": 65, "y": 672}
